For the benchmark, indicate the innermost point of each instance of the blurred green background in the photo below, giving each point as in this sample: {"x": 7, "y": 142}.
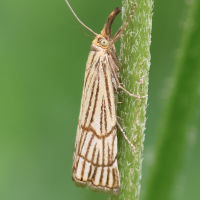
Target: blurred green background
{"x": 43, "y": 51}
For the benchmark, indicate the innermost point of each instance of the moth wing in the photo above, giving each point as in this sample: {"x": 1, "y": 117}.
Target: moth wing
{"x": 95, "y": 162}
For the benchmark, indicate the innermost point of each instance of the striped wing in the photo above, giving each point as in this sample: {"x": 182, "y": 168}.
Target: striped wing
{"x": 95, "y": 162}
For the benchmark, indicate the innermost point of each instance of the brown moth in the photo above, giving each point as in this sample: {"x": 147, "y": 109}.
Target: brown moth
{"x": 95, "y": 156}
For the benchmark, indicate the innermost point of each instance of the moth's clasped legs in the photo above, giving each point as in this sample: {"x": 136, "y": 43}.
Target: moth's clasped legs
{"x": 119, "y": 117}
{"x": 125, "y": 135}
{"x": 132, "y": 95}
{"x": 119, "y": 84}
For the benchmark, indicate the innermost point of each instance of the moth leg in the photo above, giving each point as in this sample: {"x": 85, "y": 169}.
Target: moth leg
{"x": 125, "y": 135}
{"x": 119, "y": 84}
{"x": 119, "y": 117}
{"x": 121, "y": 29}
{"x": 132, "y": 95}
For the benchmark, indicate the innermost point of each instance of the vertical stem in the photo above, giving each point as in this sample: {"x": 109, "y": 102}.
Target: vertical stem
{"x": 134, "y": 71}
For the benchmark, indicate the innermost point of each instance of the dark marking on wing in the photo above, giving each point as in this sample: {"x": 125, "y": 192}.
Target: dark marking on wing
{"x": 103, "y": 149}
{"x": 107, "y": 88}
{"x": 95, "y": 101}
{"x": 97, "y": 165}
{"x": 83, "y": 169}
{"x": 94, "y": 174}
{"x": 93, "y": 153}
{"x": 109, "y": 160}
{"x": 108, "y": 174}
{"x": 82, "y": 134}
{"x": 113, "y": 174}
{"x": 101, "y": 116}
{"x": 90, "y": 171}
{"x": 105, "y": 116}
{"x": 89, "y": 145}
{"x": 113, "y": 145}
{"x": 90, "y": 70}
{"x": 98, "y": 158}
{"x": 101, "y": 176}
{"x": 92, "y": 130}
{"x": 96, "y": 65}
{"x": 90, "y": 102}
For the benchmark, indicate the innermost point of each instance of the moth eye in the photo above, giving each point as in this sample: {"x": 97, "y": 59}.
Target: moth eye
{"x": 104, "y": 42}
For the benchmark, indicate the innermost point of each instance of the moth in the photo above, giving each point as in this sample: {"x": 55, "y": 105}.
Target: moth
{"x": 95, "y": 156}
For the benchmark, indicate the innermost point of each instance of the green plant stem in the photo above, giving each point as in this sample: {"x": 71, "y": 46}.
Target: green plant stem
{"x": 134, "y": 71}
{"x": 182, "y": 103}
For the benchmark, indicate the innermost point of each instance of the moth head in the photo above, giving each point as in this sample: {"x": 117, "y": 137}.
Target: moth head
{"x": 101, "y": 41}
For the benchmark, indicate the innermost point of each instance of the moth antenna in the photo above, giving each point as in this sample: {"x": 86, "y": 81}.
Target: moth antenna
{"x": 79, "y": 19}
